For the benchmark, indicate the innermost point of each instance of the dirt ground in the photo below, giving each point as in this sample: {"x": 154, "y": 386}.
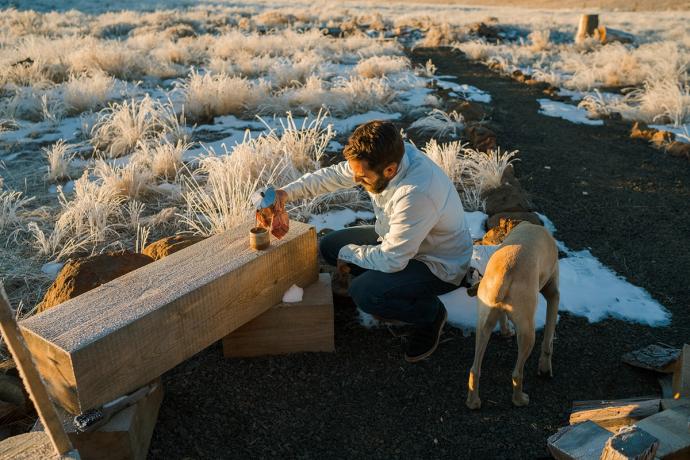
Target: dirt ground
{"x": 364, "y": 400}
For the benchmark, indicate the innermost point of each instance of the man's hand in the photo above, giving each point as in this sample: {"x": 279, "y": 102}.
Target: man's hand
{"x": 341, "y": 279}
{"x": 281, "y": 199}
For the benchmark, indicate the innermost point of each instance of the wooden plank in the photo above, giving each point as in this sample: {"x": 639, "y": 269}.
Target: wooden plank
{"x": 125, "y": 333}
{"x": 305, "y": 326}
{"x": 125, "y": 437}
{"x": 614, "y": 414}
{"x": 681, "y": 375}
{"x": 674, "y": 403}
{"x": 630, "y": 443}
{"x": 670, "y": 427}
{"x": 28, "y": 446}
{"x": 657, "y": 357}
{"x": 584, "y": 441}
{"x": 666, "y": 385}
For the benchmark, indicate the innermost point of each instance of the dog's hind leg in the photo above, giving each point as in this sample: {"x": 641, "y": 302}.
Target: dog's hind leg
{"x": 525, "y": 340}
{"x": 486, "y": 322}
{"x": 552, "y": 295}
{"x": 506, "y": 329}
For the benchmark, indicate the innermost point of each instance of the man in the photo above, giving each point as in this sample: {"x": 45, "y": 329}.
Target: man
{"x": 420, "y": 246}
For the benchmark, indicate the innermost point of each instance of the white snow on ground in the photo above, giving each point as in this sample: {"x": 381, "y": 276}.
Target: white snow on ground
{"x": 682, "y": 132}
{"x": 344, "y": 125}
{"x": 465, "y": 91}
{"x": 293, "y": 295}
{"x": 338, "y": 219}
{"x": 566, "y": 111}
{"x": 588, "y": 288}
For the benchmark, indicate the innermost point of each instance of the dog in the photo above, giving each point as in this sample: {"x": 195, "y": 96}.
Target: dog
{"x": 524, "y": 265}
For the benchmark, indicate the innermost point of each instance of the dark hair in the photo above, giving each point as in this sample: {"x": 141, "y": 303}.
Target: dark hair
{"x": 378, "y": 142}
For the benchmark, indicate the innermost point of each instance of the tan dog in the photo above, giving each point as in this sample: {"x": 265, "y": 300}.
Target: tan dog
{"x": 522, "y": 267}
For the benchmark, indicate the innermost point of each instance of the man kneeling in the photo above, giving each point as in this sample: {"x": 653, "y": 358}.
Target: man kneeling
{"x": 419, "y": 247}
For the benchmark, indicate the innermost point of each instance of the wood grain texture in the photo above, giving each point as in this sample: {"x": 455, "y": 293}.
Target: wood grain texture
{"x": 681, "y": 374}
{"x": 125, "y": 333}
{"x": 670, "y": 427}
{"x": 305, "y": 326}
{"x": 614, "y": 414}
{"x": 125, "y": 437}
{"x": 585, "y": 440}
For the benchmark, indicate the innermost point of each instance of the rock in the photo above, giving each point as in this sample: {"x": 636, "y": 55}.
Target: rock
{"x": 678, "y": 149}
{"x": 470, "y": 111}
{"x": 505, "y": 198}
{"x": 508, "y": 176}
{"x": 85, "y": 273}
{"x": 640, "y": 130}
{"x": 481, "y": 137}
{"x": 661, "y": 138}
{"x": 168, "y": 245}
{"x": 481, "y": 29}
{"x": 496, "y": 219}
{"x": 498, "y": 233}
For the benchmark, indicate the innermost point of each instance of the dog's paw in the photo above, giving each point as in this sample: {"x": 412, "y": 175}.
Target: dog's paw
{"x": 545, "y": 370}
{"x": 520, "y": 399}
{"x": 473, "y": 402}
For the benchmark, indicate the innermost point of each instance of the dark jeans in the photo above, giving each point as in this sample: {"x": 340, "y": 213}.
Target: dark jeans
{"x": 409, "y": 295}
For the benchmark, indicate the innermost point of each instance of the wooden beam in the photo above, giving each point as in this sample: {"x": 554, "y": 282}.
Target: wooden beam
{"x": 28, "y": 446}
{"x": 614, "y": 414}
{"x": 126, "y": 333}
{"x": 630, "y": 443}
{"x": 126, "y": 436}
{"x": 670, "y": 427}
{"x": 584, "y": 441}
{"x": 288, "y": 327}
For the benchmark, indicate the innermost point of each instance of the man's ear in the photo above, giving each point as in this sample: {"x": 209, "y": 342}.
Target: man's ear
{"x": 390, "y": 171}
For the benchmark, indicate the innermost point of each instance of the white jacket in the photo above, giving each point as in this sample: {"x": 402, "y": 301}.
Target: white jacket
{"x": 418, "y": 216}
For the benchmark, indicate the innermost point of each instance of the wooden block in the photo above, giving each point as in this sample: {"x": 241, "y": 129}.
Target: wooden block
{"x": 125, "y": 333}
{"x": 666, "y": 385}
{"x": 125, "y": 437}
{"x": 28, "y": 446}
{"x": 657, "y": 357}
{"x": 584, "y": 441}
{"x": 614, "y": 414}
{"x": 630, "y": 443}
{"x": 670, "y": 403}
{"x": 681, "y": 375}
{"x": 288, "y": 327}
{"x": 670, "y": 427}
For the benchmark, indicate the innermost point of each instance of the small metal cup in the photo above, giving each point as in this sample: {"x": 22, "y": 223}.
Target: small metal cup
{"x": 259, "y": 238}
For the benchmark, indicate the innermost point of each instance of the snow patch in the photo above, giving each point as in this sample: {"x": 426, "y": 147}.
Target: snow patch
{"x": 566, "y": 111}
{"x": 293, "y": 295}
{"x": 338, "y": 219}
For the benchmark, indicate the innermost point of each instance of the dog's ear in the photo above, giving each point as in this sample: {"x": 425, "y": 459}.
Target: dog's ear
{"x": 472, "y": 291}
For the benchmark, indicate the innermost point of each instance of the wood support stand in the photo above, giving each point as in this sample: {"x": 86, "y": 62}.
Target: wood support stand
{"x": 123, "y": 334}
{"x": 288, "y": 327}
{"x": 126, "y": 436}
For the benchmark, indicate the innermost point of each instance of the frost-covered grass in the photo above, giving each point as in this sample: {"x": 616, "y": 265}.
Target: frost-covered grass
{"x": 117, "y": 94}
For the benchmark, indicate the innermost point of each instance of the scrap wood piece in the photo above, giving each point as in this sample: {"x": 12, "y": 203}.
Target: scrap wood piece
{"x": 670, "y": 427}
{"x": 32, "y": 380}
{"x": 127, "y": 435}
{"x": 630, "y": 443}
{"x": 305, "y": 326}
{"x": 121, "y": 335}
{"x": 614, "y": 414}
{"x": 666, "y": 385}
{"x": 657, "y": 357}
{"x": 681, "y": 375}
{"x": 584, "y": 441}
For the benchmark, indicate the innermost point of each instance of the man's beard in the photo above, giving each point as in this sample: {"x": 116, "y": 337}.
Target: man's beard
{"x": 378, "y": 186}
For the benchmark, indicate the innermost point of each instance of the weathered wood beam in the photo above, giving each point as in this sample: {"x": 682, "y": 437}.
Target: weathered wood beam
{"x": 288, "y": 327}
{"x": 614, "y": 414}
{"x": 126, "y": 333}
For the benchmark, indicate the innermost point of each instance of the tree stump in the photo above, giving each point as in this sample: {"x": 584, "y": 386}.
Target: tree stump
{"x": 589, "y": 23}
